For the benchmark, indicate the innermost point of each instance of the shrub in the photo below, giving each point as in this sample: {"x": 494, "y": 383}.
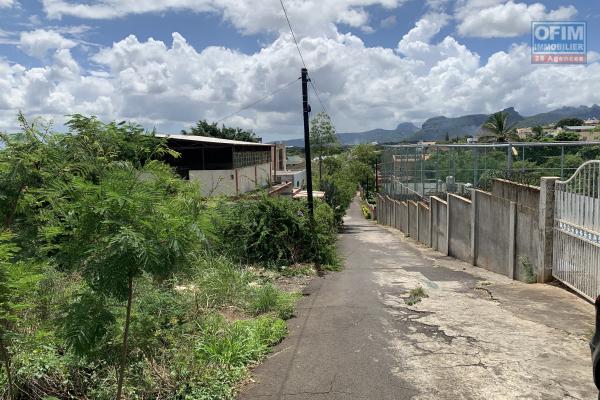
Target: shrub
{"x": 275, "y": 231}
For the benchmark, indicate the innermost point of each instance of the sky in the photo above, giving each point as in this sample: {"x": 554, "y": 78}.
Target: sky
{"x": 375, "y": 63}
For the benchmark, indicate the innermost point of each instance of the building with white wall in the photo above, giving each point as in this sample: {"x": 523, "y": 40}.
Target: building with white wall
{"x": 221, "y": 166}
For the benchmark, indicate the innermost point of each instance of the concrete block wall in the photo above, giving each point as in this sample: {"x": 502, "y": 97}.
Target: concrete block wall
{"x": 527, "y": 241}
{"x": 459, "y": 228}
{"x": 439, "y": 220}
{"x": 413, "y": 220}
{"x": 424, "y": 234}
{"x": 492, "y": 232}
{"x": 404, "y": 217}
{"x": 525, "y": 195}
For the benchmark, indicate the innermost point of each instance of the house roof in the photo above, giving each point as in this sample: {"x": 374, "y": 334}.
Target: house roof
{"x": 580, "y": 128}
{"x": 295, "y": 160}
{"x": 207, "y": 139}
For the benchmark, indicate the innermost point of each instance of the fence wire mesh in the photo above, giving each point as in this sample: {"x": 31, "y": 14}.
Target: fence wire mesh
{"x": 421, "y": 170}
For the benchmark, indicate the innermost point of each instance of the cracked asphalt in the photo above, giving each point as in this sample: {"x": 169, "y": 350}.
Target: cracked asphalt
{"x": 477, "y": 335}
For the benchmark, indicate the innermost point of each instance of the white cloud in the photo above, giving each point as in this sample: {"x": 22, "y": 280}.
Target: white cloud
{"x": 499, "y": 18}
{"x": 171, "y": 85}
{"x": 388, "y": 21}
{"x": 6, "y": 3}
{"x": 315, "y": 17}
{"x": 39, "y": 42}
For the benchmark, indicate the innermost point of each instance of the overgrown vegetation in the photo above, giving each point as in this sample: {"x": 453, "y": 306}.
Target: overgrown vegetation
{"x": 118, "y": 280}
{"x": 344, "y": 173}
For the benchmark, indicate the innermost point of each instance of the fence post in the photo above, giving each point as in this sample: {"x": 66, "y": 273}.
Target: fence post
{"x": 431, "y": 200}
{"x": 407, "y": 233}
{"x": 418, "y": 238}
{"x": 474, "y": 227}
{"x": 512, "y": 237}
{"x": 546, "y": 229}
{"x": 448, "y": 196}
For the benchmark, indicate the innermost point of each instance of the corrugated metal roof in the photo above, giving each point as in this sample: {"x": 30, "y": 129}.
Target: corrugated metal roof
{"x": 207, "y": 139}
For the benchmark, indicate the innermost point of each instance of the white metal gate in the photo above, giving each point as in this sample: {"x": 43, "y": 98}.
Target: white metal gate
{"x": 576, "y": 259}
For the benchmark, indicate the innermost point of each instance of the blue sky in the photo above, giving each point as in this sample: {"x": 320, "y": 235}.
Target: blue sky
{"x": 377, "y": 62}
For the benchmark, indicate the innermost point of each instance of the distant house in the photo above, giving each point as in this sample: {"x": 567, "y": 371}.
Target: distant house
{"x": 221, "y": 166}
{"x": 298, "y": 178}
{"x": 524, "y": 132}
{"x": 591, "y": 122}
{"x": 587, "y": 133}
{"x": 295, "y": 163}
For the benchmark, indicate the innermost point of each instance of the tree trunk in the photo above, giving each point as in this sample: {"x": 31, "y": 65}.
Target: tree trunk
{"x": 6, "y": 360}
{"x": 125, "y": 336}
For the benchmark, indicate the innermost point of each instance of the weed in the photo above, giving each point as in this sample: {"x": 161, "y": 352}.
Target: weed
{"x": 297, "y": 270}
{"x": 239, "y": 343}
{"x": 270, "y": 299}
{"x": 415, "y": 295}
{"x": 222, "y": 282}
{"x": 528, "y": 270}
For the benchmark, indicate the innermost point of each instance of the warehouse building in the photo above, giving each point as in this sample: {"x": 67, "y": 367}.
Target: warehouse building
{"x": 221, "y": 166}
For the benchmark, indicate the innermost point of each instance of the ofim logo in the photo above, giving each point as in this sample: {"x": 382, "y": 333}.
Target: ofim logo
{"x": 558, "y": 42}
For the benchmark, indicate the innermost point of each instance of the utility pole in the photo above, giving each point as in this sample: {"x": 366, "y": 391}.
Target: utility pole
{"x": 305, "y": 111}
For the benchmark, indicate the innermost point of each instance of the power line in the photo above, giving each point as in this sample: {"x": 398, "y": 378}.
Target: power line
{"x": 292, "y": 31}
{"x": 313, "y": 85}
{"x": 259, "y": 100}
{"x": 314, "y": 88}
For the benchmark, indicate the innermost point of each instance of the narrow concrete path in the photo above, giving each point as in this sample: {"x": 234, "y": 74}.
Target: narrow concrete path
{"x": 477, "y": 335}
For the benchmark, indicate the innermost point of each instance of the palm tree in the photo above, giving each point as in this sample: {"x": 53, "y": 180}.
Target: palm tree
{"x": 498, "y": 129}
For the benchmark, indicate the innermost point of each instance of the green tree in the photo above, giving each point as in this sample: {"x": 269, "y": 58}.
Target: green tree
{"x": 567, "y": 136}
{"x": 323, "y": 139}
{"x": 538, "y": 132}
{"x": 133, "y": 222}
{"x": 17, "y": 281}
{"x": 498, "y": 129}
{"x": 204, "y": 128}
{"x": 569, "y": 122}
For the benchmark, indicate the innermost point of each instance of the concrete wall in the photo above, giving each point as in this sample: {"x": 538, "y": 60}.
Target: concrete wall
{"x": 492, "y": 231}
{"x": 439, "y": 213}
{"x": 424, "y": 224}
{"x": 253, "y": 177}
{"x": 215, "y": 182}
{"x": 413, "y": 220}
{"x": 404, "y": 217}
{"x": 298, "y": 178}
{"x": 527, "y": 240}
{"x": 460, "y": 227}
{"x": 231, "y": 182}
{"x": 397, "y": 214}
{"x": 525, "y": 195}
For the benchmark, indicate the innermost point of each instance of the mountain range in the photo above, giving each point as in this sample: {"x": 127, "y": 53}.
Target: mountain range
{"x": 468, "y": 125}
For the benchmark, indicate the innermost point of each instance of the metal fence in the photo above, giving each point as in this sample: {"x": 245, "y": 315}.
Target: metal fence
{"x": 577, "y": 231}
{"x": 421, "y": 170}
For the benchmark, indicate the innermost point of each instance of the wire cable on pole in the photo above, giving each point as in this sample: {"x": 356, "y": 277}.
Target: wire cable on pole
{"x": 312, "y": 84}
{"x": 259, "y": 100}
{"x": 292, "y": 31}
{"x": 314, "y": 88}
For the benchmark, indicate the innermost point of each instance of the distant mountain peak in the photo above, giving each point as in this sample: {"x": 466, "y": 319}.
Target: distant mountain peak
{"x": 436, "y": 128}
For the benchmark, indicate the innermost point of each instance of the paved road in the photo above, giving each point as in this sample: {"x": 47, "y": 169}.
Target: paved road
{"x": 477, "y": 336}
